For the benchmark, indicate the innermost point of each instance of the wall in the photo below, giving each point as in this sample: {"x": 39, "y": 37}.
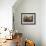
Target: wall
{"x": 6, "y": 13}
{"x": 43, "y": 22}
{"x": 32, "y": 32}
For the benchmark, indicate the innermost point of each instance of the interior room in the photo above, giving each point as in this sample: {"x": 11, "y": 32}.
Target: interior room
{"x": 22, "y": 22}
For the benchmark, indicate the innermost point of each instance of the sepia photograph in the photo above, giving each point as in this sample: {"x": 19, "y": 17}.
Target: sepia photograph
{"x": 28, "y": 18}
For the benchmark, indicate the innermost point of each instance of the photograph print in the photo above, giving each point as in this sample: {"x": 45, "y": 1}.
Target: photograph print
{"x": 28, "y": 18}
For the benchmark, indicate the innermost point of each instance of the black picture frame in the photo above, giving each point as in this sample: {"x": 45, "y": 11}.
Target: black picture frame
{"x": 28, "y": 18}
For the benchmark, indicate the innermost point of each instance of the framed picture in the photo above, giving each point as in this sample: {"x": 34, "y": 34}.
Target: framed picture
{"x": 28, "y": 18}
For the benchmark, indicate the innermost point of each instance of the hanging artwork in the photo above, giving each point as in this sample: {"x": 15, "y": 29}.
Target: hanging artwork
{"x": 28, "y": 18}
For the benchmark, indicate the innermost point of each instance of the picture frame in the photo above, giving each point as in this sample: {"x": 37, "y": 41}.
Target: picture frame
{"x": 28, "y": 18}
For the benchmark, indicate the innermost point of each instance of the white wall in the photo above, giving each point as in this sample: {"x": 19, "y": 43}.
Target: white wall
{"x": 30, "y": 31}
{"x": 43, "y": 22}
{"x": 6, "y": 13}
